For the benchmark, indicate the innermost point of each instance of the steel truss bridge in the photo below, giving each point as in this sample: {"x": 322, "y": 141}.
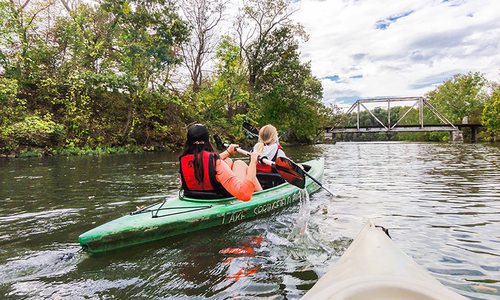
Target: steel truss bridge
{"x": 419, "y": 102}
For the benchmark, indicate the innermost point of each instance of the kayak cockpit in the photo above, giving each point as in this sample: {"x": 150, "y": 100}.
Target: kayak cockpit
{"x": 269, "y": 180}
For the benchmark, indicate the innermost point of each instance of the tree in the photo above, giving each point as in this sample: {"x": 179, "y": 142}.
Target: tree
{"x": 150, "y": 30}
{"x": 202, "y": 17}
{"x": 124, "y": 47}
{"x": 255, "y": 28}
{"x": 461, "y": 96}
{"x": 225, "y": 104}
{"x": 491, "y": 114}
{"x": 90, "y": 74}
{"x": 287, "y": 94}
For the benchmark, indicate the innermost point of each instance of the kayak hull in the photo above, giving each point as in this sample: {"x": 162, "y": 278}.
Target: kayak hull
{"x": 373, "y": 267}
{"x": 181, "y": 215}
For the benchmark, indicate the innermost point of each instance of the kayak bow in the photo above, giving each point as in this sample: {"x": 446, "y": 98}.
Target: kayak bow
{"x": 181, "y": 215}
{"x": 373, "y": 267}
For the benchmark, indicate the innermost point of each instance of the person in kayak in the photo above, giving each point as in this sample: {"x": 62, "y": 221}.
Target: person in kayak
{"x": 269, "y": 146}
{"x": 203, "y": 170}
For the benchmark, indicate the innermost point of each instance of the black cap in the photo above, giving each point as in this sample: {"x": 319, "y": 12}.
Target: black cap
{"x": 197, "y": 133}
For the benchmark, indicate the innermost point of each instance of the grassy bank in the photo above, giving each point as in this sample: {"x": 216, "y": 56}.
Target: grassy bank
{"x": 75, "y": 151}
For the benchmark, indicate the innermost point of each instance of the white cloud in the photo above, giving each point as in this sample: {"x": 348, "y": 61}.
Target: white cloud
{"x": 398, "y": 48}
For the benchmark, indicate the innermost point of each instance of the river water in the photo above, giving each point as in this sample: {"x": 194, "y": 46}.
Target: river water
{"x": 440, "y": 202}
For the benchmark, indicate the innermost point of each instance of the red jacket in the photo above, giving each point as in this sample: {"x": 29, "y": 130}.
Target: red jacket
{"x": 209, "y": 182}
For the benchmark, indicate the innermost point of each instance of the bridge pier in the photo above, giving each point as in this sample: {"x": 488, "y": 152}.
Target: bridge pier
{"x": 456, "y": 136}
{"x": 329, "y": 137}
{"x": 473, "y": 135}
{"x": 469, "y": 132}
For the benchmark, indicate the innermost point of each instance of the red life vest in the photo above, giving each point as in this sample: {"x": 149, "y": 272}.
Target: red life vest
{"x": 209, "y": 183}
{"x": 263, "y": 168}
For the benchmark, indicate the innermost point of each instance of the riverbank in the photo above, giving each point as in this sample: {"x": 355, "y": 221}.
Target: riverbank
{"x": 85, "y": 151}
{"x": 482, "y": 136}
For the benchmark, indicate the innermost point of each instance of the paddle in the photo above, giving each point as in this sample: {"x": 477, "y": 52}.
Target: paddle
{"x": 253, "y": 131}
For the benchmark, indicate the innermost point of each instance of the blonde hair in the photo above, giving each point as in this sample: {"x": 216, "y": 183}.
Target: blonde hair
{"x": 267, "y": 135}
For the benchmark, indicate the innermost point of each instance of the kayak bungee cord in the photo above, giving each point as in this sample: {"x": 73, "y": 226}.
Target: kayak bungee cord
{"x": 154, "y": 212}
{"x": 191, "y": 209}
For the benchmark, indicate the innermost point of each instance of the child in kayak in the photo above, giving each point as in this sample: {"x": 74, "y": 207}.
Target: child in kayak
{"x": 269, "y": 146}
{"x": 203, "y": 170}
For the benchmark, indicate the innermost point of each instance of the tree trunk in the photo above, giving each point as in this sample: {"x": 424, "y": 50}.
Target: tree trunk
{"x": 128, "y": 124}
{"x": 251, "y": 82}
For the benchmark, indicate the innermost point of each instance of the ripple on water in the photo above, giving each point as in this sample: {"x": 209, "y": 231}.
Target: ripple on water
{"x": 21, "y": 227}
{"x": 41, "y": 264}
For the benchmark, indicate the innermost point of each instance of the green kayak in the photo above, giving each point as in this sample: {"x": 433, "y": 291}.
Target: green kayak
{"x": 181, "y": 215}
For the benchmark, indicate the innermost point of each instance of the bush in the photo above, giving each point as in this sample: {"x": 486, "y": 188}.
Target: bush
{"x": 31, "y": 153}
{"x": 32, "y": 131}
{"x": 75, "y": 151}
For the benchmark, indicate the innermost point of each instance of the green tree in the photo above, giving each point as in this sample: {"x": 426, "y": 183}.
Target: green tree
{"x": 120, "y": 55}
{"x": 281, "y": 87}
{"x": 287, "y": 95}
{"x": 91, "y": 74}
{"x": 491, "y": 114}
{"x": 256, "y": 30}
{"x": 461, "y": 96}
{"x": 226, "y": 104}
{"x": 149, "y": 31}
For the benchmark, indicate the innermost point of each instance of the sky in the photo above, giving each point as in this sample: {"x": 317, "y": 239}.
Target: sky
{"x": 397, "y": 48}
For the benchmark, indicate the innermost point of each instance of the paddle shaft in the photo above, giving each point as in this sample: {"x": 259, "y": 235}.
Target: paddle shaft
{"x": 261, "y": 159}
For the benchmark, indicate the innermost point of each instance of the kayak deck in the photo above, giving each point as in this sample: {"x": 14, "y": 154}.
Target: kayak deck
{"x": 181, "y": 215}
{"x": 373, "y": 267}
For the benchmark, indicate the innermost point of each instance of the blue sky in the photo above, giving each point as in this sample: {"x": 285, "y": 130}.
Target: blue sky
{"x": 367, "y": 48}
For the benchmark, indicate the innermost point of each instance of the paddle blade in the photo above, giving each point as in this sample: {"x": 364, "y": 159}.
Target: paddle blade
{"x": 250, "y": 130}
{"x": 291, "y": 172}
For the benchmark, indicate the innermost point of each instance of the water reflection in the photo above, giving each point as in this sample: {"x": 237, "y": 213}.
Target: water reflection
{"x": 440, "y": 202}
